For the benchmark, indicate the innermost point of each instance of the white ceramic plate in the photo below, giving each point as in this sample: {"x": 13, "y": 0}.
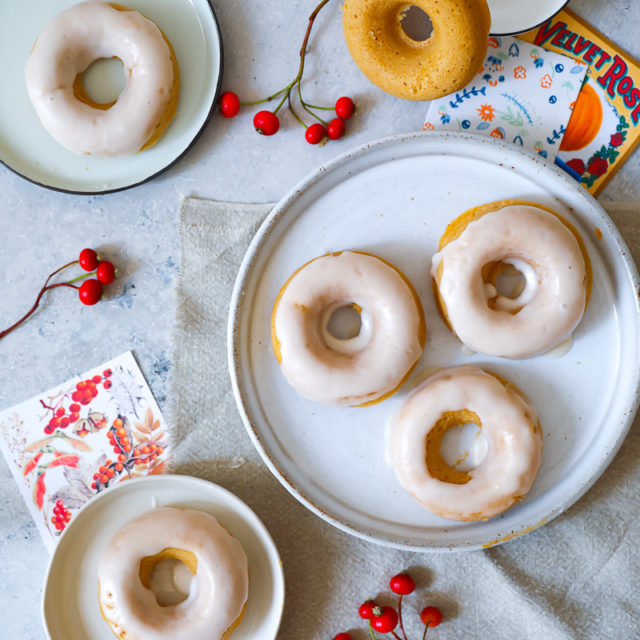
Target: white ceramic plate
{"x": 394, "y": 198}
{"x": 70, "y": 609}
{"x": 27, "y": 148}
{"x": 509, "y": 17}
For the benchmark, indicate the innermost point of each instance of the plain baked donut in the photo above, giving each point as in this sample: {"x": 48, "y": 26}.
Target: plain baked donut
{"x": 543, "y": 246}
{"x": 64, "y": 50}
{"x": 219, "y": 586}
{"x": 363, "y": 369}
{"x": 506, "y": 418}
{"x": 406, "y": 68}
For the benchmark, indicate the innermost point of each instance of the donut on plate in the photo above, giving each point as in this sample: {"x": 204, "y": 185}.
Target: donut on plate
{"x": 219, "y": 586}
{"x": 417, "y": 70}
{"x": 507, "y": 420}
{"x": 68, "y": 45}
{"x": 521, "y": 237}
{"x": 362, "y": 369}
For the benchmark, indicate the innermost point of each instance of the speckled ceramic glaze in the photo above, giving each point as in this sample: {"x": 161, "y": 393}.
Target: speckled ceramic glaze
{"x": 400, "y": 194}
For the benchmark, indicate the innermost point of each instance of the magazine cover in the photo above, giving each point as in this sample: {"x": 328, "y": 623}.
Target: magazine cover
{"x": 605, "y": 123}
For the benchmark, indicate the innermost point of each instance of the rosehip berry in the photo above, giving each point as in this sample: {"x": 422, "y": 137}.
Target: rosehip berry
{"x": 60, "y": 411}
{"x": 106, "y": 373}
{"x": 314, "y": 133}
{"x": 55, "y": 422}
{"x": 366, "y": 609}
{"x": 117, "y": 423}
{"x": 74, "y": 408}
{"x": 385, "y": 619}
{"x": 342, "y": 636}
{"x": 106, "y": 272}
{"x": 266, "y": 123}
{"x": 402, "y": 584}
{"x": 64, "y": 422}
{"x": 90, "y": 292}
{"x": 76, "y": 396}
{"x": 431, "y": 616}
{"x": 96, "y": 379}
{"x": 93, "y": 486}
{"x": 88, "y": 259}
{"x": 335, "y": 129}
{"x": 229, "y": 104}
{"x": 49, "y": 429}
{"x": 344, "y": 107}
{"x": 107, "y": 384}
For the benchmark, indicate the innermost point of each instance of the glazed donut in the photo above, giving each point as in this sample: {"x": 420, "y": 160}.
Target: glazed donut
{"x": 509, "y": 423}
{"x": 64, "y": 50}
{"x": 544, "y": 247}
{"x": 219, "y": 586}
{"x": 361, "y": 370}
{"x": 406, "y": 68}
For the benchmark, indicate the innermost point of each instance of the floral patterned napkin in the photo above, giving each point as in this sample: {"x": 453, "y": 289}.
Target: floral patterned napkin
{"x": 67, "y": 444}
{"x": 523, "y": 94}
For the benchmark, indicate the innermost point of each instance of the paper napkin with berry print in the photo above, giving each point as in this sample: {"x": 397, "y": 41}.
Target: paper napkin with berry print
{"x": 523, "y": 94}
{"x": 69, "y": 443}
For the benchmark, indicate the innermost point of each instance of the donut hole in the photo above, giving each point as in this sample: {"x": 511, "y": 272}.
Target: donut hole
{"x": 510, "y": 284}
{"x": 168, "y": 575}
{"x": 101, "y": 83}
{"x": 345, "y": 322}
{"x": 416, "y": 24}
{"x": 455, "y": 446}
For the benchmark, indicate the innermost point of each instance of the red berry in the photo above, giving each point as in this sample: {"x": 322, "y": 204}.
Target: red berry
{"x": 107, "y": 384}
{"x": 266, "y": 123}
{"x": 106, "y": 272}
{"x": 88, "y": 259}
{"x": 106, "y": 373}
{"x": 64, "y": 422}
{"x": 335, "y": 129}
{"x": 75, "y": 415}
{"x": 344, "y": 107}
{"x": 54, "y": 422}
{"x": 74, "y": 408}
{"x": 93, "y": 485}
{"x": 431, "y": 616}
{"x": 314, "y": 133}
{"x": 385, "y": 619}
{"x": 96, "y": 379}
{"x": 402, "y": 584}
{"x": 90, "y": 292}
{"x": 76, "y": 396}
{"x": 60, "y": 411}
{"x": 49, "y": 429}
{"x": 117, "y": 423}
{"x": 365, "y": 611}
{"x": 342, "y": 636}
{"x": 229, "y": 104}
{"x": 81, "y": 385}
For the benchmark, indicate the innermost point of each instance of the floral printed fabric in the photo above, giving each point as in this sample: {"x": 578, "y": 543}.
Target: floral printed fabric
{"x": 69, "y": 443}
{"x": 523, "y": 94}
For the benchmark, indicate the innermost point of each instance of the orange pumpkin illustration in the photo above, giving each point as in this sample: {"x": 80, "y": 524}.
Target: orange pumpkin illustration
{"x": 585, "y": 121}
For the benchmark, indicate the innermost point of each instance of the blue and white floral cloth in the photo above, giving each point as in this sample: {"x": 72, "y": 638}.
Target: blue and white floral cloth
{"x": 524, "y": 94}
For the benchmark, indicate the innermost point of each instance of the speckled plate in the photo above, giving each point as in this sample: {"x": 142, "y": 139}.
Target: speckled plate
{"x": 27, "y": 148}
{"x": 394, "y": 198}
{"x": 510, "y": 17}
{"x": 70, "y": 609}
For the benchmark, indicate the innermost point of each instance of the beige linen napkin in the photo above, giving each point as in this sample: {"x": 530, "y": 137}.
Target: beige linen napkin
{"x": 576, "y": 577}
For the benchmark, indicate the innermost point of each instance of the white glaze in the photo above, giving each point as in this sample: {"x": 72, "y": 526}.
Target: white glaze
{"x": 539, "y": 245}
{"x": 67, "y": 45}
{"x": 219, "y": 587}
{"x": 364, "y": 368}
{"x": 508, "y": 425}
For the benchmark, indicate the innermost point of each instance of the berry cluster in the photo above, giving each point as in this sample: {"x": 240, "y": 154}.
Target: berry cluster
{"x": 84, "y": 392}
{"x": 61, "y": 516}
{"x": 89, "y": 292}
{"x": 385, "y": 619}
{"x": 127, "y": 455}
{"x": 267, "y": 123}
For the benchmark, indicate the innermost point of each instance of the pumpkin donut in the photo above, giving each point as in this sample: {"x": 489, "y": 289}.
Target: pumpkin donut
{"x": 407, "y": 68}
{"x": 493, "y": 238}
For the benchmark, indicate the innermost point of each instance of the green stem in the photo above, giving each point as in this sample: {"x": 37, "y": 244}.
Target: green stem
{"x": 269, "y": 99}
{"x": 404, "y": 635}
{"x": 371, "y": 631}
{"x": 295, "y": 115}
{"x": 64, "y": 266}
{"x": 305, "y": 107}
{"x": 82, "y": 277}
{"x": 315, "y": 106}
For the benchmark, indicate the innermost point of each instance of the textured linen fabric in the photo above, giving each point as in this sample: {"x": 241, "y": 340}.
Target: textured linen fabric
{"x": 576, "y": 577}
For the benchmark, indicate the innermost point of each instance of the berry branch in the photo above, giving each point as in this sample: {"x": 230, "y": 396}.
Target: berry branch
{"x": 89, "y": 292}
{"x": 267, "y": 123}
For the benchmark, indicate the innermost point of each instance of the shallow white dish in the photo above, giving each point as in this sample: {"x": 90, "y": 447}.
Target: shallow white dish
{"x": 27, "y": 148}
{"x": 509, "y": 17}
{"x": 70, "y": 609}
{"x": 394, "y": 198}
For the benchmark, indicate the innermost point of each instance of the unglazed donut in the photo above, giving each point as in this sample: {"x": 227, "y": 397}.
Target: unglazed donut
{"x": 509, "y": 423}
{"x": 219, "y": 587}
{"x": 543, "y": 246}
{"x": 406, "y": 68}
{"x": 352, "y": 372}
{"x": 64, "y": 50}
